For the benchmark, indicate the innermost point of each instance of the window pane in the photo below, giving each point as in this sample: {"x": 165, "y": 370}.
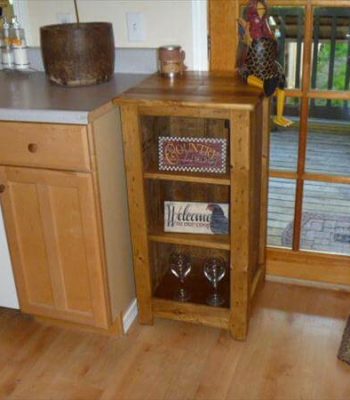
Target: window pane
{"x": 326, "y": 218}
{"x": 281, "y": 212}
{"x": 288, "y": 26}
{"x": 331, "y": 49}
{"x": 284, "y": 141}
{"x": 328, "y": 147}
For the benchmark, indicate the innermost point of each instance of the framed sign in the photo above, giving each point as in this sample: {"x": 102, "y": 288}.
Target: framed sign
{"x": 191, "y": 154}
{"x": 193, "y": 217}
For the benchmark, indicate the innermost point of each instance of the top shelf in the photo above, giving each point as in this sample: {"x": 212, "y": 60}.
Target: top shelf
{"x": 181, "y": 177}
{"x": 186, "y": 149}
{"x": 222, "y": 91}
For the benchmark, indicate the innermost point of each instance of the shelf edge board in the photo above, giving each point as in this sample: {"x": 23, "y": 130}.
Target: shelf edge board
{"x": 187, "y": 178}
{"x": 211, "y": 316}
{"x": 188, "y": 242}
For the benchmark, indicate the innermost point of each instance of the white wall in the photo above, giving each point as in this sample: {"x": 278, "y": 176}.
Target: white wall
{"x": 166, "y": 21}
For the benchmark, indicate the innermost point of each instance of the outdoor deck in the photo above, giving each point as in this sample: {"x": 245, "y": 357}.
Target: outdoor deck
{"x": 326, "y": 207}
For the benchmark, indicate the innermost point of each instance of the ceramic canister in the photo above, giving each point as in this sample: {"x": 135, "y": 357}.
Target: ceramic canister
{"x": 171, "y": 61}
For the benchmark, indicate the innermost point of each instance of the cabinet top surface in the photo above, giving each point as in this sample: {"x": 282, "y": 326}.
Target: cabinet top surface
{"x": 29, "y": 96}
{"x": 217, "y": 90}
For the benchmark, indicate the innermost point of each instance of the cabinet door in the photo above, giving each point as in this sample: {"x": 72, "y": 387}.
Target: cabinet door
{"x": 51, "y": 225}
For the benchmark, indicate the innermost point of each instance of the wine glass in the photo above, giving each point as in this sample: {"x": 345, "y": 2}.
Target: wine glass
{"x": 180, "y": 266}
{"x": 214, "y": 270}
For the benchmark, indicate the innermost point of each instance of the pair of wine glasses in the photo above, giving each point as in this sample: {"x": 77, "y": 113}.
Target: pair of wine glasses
{"x": 214, "y": 270}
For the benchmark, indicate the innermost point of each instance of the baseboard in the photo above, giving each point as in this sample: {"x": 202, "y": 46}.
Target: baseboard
{"x": 130, "y": 315}
{"x": 302, "y": 282}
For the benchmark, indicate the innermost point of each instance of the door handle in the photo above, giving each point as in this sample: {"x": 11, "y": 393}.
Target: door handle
{"x": 2, "y": 188}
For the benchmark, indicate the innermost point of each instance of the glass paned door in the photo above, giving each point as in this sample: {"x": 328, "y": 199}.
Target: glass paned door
{"x": 310, "y": 161}
{"x": 314, "y": 42}
{"x": 328, "y": 142}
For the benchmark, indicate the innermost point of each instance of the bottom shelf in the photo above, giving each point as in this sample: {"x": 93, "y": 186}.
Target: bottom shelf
{"x": 196, "y": 285}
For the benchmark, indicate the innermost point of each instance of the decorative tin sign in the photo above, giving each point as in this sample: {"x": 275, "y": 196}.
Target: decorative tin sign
{"x": 193, "y": 217}
{"x": 191, "y": 154}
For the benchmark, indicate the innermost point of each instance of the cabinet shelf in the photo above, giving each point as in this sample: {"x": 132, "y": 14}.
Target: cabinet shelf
{"x": 221, "y": 242}
{"x": 197, "y": 286}
{"x": 178, "y": 177}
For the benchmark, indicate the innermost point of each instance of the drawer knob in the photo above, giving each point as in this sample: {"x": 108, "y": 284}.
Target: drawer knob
{"x": 2, "y": 188}
{"x": 32, "y": 147}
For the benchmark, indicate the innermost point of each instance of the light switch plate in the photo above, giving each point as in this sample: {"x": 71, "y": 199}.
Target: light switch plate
{"x": 136, "y": 26}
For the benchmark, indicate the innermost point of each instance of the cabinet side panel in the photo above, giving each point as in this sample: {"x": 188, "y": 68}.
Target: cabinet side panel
{"x": 264, "y": 181}
{"x": 138, "y": 218}
{"x": 255, "y": 172}
{"x": 114, "y": 205}
{"x": 241, "y": 229}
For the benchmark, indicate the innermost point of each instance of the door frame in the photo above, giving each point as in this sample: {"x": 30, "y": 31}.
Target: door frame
{"x": 200, "y": 35}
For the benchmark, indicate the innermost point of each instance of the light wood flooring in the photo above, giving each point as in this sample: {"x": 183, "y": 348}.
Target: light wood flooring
{"x": 290, "y": 354}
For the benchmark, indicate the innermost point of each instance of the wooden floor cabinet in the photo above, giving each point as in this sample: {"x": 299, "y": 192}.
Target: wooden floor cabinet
{"x": 65, "y": 210}
{"x": 194, "y": 107}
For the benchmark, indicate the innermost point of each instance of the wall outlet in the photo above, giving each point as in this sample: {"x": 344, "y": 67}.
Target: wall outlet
{"x": 64, "y": 18}
{"x": 136, "y": 26}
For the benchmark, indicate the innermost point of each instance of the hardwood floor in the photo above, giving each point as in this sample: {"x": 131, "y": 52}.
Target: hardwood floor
{"x": 290, "y": 354}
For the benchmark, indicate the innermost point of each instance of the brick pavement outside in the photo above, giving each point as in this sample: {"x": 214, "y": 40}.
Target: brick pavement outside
{"x": 321, "y": 232}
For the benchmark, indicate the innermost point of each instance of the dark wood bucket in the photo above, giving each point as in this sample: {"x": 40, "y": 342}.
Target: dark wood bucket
{"x": 78, "y": 54}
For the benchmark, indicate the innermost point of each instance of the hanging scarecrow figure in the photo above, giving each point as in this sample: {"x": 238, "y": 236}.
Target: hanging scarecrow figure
{"x": 258, "y": 59}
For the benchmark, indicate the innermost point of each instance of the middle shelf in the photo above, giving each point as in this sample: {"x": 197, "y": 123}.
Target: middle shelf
{"x": 161, "y": 199}
{"x": 210, "y": 241}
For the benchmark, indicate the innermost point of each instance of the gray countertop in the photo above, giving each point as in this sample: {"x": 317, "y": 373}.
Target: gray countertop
{"x": 30, "y": 97}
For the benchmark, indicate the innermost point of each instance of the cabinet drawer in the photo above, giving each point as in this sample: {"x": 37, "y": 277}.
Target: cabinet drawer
{"x": 44, "y": 145}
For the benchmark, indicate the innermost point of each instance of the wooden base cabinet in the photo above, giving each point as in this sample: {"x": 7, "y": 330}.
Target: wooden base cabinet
{"x": 71, "y": 258}
{"x": 197, "y": 106}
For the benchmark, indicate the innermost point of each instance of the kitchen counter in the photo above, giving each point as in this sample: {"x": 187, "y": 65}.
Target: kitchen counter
{"x": 30, "y": 97}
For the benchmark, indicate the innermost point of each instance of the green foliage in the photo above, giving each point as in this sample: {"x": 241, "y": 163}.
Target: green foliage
{"x": 339, "y": 65}
{"x": 324, "y": 55}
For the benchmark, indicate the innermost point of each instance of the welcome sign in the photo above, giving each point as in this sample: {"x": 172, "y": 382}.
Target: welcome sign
{"x": 190, "y": 154}
{"x": 195, "y": 217}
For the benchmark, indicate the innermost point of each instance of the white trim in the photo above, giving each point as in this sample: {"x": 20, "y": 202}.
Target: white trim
{"x": 200, "y": 34}
{"x": 130, "y": 315}
{"x": 20, "y": 9}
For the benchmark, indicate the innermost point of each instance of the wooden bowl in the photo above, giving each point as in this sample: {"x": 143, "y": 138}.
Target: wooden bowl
{"x": 78, "y": 54}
